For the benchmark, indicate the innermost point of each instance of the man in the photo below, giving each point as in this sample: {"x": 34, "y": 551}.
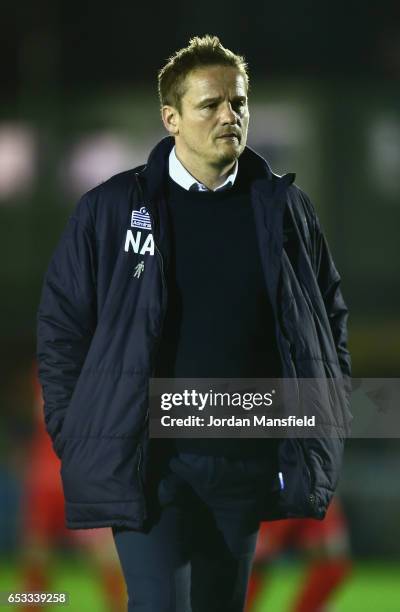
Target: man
{"x": 202, "y": 263}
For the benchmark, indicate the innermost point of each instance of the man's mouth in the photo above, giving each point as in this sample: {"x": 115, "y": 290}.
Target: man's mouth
{"x": 230, "y": 136}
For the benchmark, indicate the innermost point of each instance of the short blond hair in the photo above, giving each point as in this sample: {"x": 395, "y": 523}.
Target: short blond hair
{"x": 201, "y": 51}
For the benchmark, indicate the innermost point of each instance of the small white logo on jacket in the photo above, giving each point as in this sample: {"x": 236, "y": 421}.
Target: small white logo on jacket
{"x": 141, "y": 218}
{"x": 139, "y": 268}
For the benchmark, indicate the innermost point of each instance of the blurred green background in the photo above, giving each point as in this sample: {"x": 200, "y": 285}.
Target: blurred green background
{"x": 79, "y": 103}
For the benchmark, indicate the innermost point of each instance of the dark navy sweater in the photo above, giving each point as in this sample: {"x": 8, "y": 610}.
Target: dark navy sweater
{"x": 219, "y": 321}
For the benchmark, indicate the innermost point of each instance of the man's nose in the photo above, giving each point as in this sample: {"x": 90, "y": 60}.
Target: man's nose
{"x": 228, "y": 115}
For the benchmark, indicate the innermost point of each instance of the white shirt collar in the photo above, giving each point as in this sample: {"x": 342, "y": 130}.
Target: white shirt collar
{"x": 180, "y": 175}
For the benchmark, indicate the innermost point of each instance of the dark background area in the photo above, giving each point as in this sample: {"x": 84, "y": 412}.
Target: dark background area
{"x": 70, "y": 45}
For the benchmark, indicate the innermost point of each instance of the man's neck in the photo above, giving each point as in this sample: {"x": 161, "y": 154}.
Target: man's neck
{"x": 210, "y": 176}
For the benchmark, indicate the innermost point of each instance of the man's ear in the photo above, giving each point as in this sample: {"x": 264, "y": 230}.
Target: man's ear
{"x": 170, "y": 119}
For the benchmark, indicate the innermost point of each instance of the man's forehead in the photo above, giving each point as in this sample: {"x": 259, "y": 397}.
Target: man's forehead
{"x": 215, "y": 81}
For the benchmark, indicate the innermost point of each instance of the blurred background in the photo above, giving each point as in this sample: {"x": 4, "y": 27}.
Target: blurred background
{"x": 78, "y": 104}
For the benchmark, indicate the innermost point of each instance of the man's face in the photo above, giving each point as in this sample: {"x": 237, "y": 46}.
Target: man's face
{"x": 211, "y": 128}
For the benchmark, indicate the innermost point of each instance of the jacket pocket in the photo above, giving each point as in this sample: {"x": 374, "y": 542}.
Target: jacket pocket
{"x": 101, "y": 470}
{"x": 296, "y": 481}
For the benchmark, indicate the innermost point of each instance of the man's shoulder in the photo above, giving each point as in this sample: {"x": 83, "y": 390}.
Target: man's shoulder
{"x": 302, "y": 214}
{"x": 108, "y": 197}
{"x": 297, "y": 199}
{"x": 300, "y": 202}
{"x": 118, "y": 184}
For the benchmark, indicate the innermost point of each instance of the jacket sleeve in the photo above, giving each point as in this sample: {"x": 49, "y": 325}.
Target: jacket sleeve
{"x": 329, "y": 282}
{"x": 66, "y": 318}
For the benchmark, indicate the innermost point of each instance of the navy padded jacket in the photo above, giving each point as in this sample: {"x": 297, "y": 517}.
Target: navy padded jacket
{"x": 98, "y": 331}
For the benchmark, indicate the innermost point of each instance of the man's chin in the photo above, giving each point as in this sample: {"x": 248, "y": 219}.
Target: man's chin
{"x": 228, "y": 153}
{"x": 226, "y": 159}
